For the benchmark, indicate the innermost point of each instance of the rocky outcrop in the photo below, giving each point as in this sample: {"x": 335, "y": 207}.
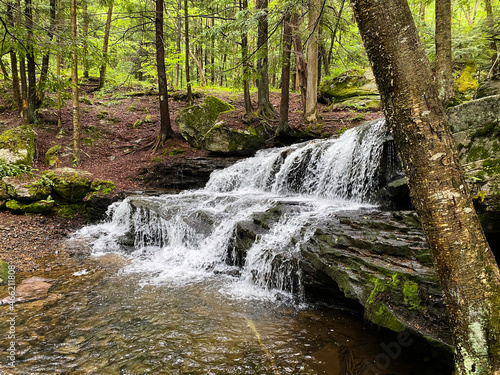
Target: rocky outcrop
{"x": 347, "y": 85}
{"x": 377, "y": 259}
{"x": 199, "y": 126}
{"x": 66, "y": 191}
{"x": 17, "y": 145}
{"x": 476, "y": 128}
{"x": 185, "y": 173}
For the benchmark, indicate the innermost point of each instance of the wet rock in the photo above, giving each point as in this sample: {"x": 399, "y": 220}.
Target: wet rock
{"x": 377, "y": 259}
{"x": 30, "y": 289}
{"x": 17, "y": 145}
{"x": 181, "y": 174}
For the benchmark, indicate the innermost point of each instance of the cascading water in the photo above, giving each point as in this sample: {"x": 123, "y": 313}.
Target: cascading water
{"x": 191, "y": 236}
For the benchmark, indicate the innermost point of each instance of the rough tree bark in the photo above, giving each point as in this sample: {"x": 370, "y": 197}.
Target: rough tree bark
{"x": 468, "y": 273}
{"x": 178, "y": 42}
{"x": 74, "y": 86}
{"x": 283, "y": 126}
{"x": 165, "y": 126}
{"x": 265, "y": 109}
{"x": 444, "y": 76}
{"x": 311, "y": 108}
{"x": 105, "y": 43}
{"x": 300, "y": 61}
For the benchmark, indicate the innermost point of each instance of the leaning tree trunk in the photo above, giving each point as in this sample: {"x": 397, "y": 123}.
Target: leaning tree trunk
{"x": 165, "y": 127}
{"x": 444, "y": 76}
{"x": 74, "y": 86}
{"x": 466, "y": 266}
{"x": 265, "y": 108}
{"x": 283, "y": 126}
{"x": 105, "y": 43}
{"x": 311, "y": 108}
{"x": 30, "y": 56}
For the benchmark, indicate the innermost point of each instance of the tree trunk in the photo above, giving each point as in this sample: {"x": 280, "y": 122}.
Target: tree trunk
{"x": 30, "y": 56}
{"x": 468, "y": 273}
{"x": 300, "y": 61}
{"x": 246, "y": 66}
{"x": 311, "y": 107}
{"x": 283, "y": 126}
{"x": 105, "y": 43}
{"x": 59, "y": 21}
{"x": 189, "y": 97}
{"x": 444, "y": 76}
{"x": 165, "y": 127}
{"x": 22, "y": 71}
{"x": 178, "y": 42}
{"x": 85, "y": 30}
{"x": 46, "y": 58}
{"x": 17, "y": 103}
{"x": 74, "y": 86}
{"x": 265, "y": 108}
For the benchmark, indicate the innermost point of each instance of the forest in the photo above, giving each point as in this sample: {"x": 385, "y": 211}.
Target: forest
{"x": 313, "y": 149}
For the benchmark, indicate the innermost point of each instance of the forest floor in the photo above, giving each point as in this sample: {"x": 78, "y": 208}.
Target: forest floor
{"x": 118, "y": 129}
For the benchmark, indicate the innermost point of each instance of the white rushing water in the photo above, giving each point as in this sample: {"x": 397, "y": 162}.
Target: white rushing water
{"x": 190, "y": 236}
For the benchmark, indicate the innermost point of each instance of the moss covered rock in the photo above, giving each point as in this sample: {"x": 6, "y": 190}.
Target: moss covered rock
{"x": 72, "y": 185}
{"x": 194, "y": 122}
{"x": 4, "y": 272}
{"x": 27, "y": 189}
{"x": 17, "y": 145}
{"x": 221, "y": 139}
{"x": 347, "y": 85}
{"x": 38, "y": 207}
{"x": 52, "y": 156}
{"x": 476, "y": 128}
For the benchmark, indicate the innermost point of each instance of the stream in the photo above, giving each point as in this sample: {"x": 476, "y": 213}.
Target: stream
{"x": 170, "y": 288}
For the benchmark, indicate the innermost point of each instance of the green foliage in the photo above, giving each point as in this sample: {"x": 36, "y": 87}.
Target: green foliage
{"x": 14, "y": 170}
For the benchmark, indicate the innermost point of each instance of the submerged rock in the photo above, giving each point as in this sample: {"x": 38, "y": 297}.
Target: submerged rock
{"x": 30, "y": 289}
{"x": 17, "y": 145}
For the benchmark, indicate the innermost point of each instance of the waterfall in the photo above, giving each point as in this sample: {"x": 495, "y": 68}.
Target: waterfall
{"x": 248, "y": 223}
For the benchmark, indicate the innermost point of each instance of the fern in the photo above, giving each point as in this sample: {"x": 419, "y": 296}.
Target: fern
{"x": 13, "y": 170}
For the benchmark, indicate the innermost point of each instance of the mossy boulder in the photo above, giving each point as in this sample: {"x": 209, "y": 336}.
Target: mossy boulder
{"x": 38, "y": 207}
{"x": 52, "y": 156}
{"x": 17, "y": 145}
{"x": 221, "y": 139}
{"x": 365, "y": 102}
{"x": 27, "y": 189}
{"x": 194, "y": 122}
{"x": 347, "y": 85}
{"x": 71, "y": 185}
{"x": 4, "y": 272}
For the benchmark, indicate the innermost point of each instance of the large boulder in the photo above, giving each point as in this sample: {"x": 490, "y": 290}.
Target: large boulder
{"x": 72, "y": 185}
{"x": 349, "y": 84}
{"x": 195, "y": 121}
{"x": 220, "y": 139}
{"x": 27, "y": 189}
{"x": 199, "y": 126}
{"x": 17, "y": 145}
{"x": 488, "y": 88}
